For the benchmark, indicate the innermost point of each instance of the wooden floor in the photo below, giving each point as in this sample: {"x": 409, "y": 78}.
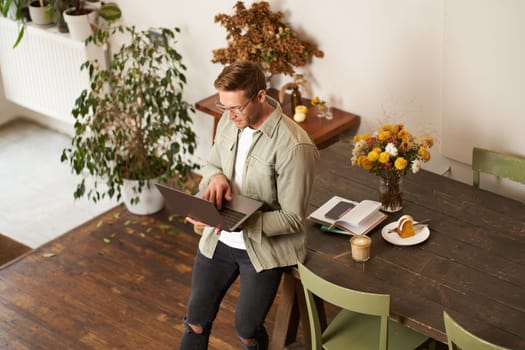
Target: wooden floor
{"x": 119, "y": 281}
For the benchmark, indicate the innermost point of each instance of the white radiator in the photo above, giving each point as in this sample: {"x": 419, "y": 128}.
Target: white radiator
{"x": 43, "y": 72}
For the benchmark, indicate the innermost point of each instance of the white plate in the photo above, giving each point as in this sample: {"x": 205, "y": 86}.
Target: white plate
{"x": 422, "y": 234}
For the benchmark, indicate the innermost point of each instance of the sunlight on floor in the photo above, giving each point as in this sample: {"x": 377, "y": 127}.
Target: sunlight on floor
{"x": 36, "y": 189}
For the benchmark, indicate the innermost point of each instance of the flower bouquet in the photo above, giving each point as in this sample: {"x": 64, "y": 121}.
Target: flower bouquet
{"x": 391, "y": 153}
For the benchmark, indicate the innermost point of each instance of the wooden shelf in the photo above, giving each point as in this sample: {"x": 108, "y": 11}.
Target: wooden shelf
{"x": 323, "y": 131}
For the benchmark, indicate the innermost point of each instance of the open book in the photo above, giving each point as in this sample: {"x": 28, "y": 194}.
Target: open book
{"x": 344, "y": 215}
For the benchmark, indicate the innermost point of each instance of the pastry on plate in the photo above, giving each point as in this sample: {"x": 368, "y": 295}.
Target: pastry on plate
{"x": 405, "y": 226}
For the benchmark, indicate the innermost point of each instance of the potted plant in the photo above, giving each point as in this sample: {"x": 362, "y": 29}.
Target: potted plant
{"x": 57, "y": 8}
{"x": 134, "y": 122}
{"x": 82, "y": 18}
{"x": 40, "y": 12}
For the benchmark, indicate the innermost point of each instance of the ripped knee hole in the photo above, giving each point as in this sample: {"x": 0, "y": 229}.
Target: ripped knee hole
{"x": 195, "y": 328}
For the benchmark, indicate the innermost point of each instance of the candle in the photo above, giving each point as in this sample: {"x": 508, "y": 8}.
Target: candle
{"x": 300, "y": 113}
{"x": 360, "y": 247}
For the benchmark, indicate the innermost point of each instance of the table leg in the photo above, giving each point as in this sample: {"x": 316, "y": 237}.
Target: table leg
{"x": 286, "y": 318}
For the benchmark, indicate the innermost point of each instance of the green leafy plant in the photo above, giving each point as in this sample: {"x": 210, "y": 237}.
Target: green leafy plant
{"x": 133, "y": 122}
{"x": 14, "y": 9}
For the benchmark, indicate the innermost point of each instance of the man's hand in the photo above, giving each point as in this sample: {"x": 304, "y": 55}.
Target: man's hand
{"x": 218, "y": 188}
{"x": 199, "y": 226}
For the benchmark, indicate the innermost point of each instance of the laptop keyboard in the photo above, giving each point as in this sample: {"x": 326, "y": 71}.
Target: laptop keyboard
{"x": 230, "y": 216}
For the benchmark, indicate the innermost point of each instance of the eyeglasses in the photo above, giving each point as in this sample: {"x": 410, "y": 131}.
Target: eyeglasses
{"x": 236, "y": 109}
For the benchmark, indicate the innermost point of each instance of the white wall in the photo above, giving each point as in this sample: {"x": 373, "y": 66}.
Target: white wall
{"x": 6, "y": 107}
{"x": 384, "y": 60}
{"x": 483, "y": 76}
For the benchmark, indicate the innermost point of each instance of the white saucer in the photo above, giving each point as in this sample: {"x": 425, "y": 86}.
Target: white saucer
{"x": 422, "y": 234}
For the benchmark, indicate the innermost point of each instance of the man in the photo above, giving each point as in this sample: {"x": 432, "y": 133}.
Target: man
{"x": 261, "y": 153}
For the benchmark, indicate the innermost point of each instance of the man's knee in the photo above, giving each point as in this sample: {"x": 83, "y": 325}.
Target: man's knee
{"x": 196, "y": 328}
{"x": 258, "y": 341}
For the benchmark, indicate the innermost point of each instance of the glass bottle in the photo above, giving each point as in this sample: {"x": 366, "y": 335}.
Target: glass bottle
{"x": 296, "y": 97}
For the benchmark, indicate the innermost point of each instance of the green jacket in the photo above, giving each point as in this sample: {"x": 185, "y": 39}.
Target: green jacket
{"x": 279, "y": 171}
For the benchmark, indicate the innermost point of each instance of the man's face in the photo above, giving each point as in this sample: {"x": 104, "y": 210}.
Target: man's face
{"x": 242, "y": 110}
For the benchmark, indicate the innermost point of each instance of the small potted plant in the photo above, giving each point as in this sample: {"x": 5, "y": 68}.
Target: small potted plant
{"x": 82, "y": 17}
{"x": 133, "y": 124}
{"x": 40, "y": 12}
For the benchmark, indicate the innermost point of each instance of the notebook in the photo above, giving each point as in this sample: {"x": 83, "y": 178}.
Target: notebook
{"x": 231, "y": 216}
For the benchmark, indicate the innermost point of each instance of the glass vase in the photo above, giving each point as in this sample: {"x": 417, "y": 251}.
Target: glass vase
{"x": 328, "y": 114}
{"x": 320, "y": 111}
{"x": 391, "y": 194}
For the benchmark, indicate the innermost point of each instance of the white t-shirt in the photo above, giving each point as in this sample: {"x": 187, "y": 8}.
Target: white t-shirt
{"x": 235, "y": 239}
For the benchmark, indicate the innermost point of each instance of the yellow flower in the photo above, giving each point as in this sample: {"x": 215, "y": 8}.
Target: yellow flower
{"x": 377, "y": 149}
{"x": 383, "y": 135}
{"x": 366, "y": 164}
{"x": 429, "y": 141}
{"x": 403, "y": 134}
{"x": 424, "y": 154}
{"x": 401, "y": 163}
{"x": 360, "y": 160}
{"x": 372, "y": 156}
{"x": 396, "y": 128}
{"x": 364, "y": 137}
{"x": 317, "y": 101}
{"x": 385, "y": 127}
{"x": 384, "y": 157}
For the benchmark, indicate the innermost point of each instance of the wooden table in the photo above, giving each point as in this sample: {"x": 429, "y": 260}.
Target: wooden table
{"x": 323, "y": 131}
{"x": 473, "y": 264}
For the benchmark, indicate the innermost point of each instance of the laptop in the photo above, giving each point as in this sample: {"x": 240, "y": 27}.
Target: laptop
{"x": 231, "y": 216}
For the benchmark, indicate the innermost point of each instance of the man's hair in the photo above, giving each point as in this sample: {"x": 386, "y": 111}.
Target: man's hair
{"x": 241, "y": 75}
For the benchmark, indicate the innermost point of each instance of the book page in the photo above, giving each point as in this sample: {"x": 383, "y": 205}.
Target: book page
{"x": 364, "y": 226}
{"x": 360, "y": 212}
{"x": 366, "y": 217}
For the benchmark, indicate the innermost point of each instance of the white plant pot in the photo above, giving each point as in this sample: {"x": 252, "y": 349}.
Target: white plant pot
{"x": 39, "y": 15}
{"x": 150, "y": 198}
{"x": 81, "y": 27}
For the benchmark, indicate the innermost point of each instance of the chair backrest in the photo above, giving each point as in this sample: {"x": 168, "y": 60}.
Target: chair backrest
{"x": 365, "y": 303}
{"x": 459, "y": 336}
{"x": 505, "y": 165}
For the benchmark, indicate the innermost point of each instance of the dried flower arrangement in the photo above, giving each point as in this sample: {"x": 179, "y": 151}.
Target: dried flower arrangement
{"x": 257, "y": 34}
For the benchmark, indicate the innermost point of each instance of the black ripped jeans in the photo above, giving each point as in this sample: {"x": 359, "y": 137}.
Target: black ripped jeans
{"x": 211, "y": 279}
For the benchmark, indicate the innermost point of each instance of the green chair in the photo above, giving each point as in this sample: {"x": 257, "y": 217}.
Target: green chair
{"x": 361, "y": 324}
{"x": 495, "y": 163}
{"x": 458, "y": 336}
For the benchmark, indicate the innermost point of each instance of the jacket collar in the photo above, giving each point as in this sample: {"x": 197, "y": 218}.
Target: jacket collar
{"x": 270, "y": 124}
